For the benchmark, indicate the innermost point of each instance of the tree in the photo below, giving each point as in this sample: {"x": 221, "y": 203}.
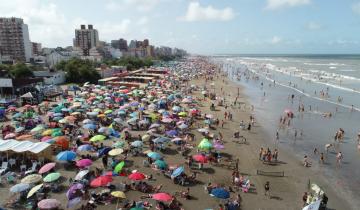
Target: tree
{"x": 21, "y": 70}
{"x": 80, "y": 71}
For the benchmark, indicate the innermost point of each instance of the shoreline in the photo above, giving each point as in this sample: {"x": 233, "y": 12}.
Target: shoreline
{"x": 295, "y": 174}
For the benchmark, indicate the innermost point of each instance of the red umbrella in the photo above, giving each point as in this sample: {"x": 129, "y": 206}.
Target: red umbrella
{"x": 162, "y": 197}
{"x": 200, "y": 158}
{"x": 136, "y": 176}
{"x": 101, "y": 181}
{"x": 83, "y": 163}
{"x": 49, "y": 204}
{"x": 47, "y": 167}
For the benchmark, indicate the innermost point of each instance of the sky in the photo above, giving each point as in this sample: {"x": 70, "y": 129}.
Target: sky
{"x": 200, "y": 26}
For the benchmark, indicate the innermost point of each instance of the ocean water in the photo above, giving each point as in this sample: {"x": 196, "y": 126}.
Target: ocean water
{"x": 323, "y": 84}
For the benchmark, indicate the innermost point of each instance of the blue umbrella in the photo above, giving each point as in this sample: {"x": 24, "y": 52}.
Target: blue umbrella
{"x": 66, "y": 156}
{"x": 137, "y": 143}
{"x": 17, "y": 115}
{"x": 84, "y": 147}
{"x": 178, "y": 171}
{"x": 134, "y": 115}
{"x": 19, "y": 188}
{"x": 220, "y": 193}
{"x": 171, "y": 133}
{"x": 89, "y": 126}
{"x": 176, "y": 109}
{"x": 104, "y": 151}
{"x": 135, "y": 103}
{"x": 154, "y": 155}
{"x": 161, "y": 140}
{"x": 57, "y": 114}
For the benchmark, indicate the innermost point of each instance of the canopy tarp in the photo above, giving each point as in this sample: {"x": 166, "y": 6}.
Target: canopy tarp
{"x": 23, "y": 146}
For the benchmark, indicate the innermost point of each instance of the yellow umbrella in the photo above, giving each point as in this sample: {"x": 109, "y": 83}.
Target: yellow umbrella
{"x": 118, "y": 194}
{"x": 75, "y": 113}
{"x": 33, "y": 178}
{"x": 145, "y": 137}
{"x": 115, "y": 152}
{"x": 48, "y": 132}
{"x": 34, "y": 190}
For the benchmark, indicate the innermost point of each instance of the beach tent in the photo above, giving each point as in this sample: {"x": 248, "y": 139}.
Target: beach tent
{"x": 26, "y": 146}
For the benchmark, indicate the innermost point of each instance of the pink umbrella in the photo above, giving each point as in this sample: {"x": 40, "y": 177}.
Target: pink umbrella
{"x": 47, "y": 167}
{"x": 10, "y": 136}
{"x": 45, "y": 138}
{"x": 162, "y": 197}
{"x": 49, "y": 204}
{"x": 200, "y": 158}
{"x": 83, "y": 163}
{"x": 167, "y": 120}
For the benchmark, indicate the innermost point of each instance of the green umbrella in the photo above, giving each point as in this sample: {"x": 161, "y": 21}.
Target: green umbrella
{"x": 109, "y": 111}
{"x": 119, "y": 167}
{"x": 205, "y": 144}
{"x": 57, "y": 133}
{"x": 137, "y": 208}
{"x": 119, "y": 144}
{"x": 161, "y": 164}
{"x": 37, "y": 129}
{"x": 52, "y": 177}
{"x": 97, "y": 138}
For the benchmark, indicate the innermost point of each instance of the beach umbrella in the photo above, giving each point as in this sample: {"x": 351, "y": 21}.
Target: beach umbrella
{"x": 137, "y": 208}
{"x": 47, "y": 167}
{"x": 132, "y": 120}
{"x": 146, "y": 137}
{"x": 37, "y": 129}
{"x": 137, "y": 143}
{"x": 161, "y": 164}
{"x": 165, "y": 197}
{"x": 81, "y": 174}
{"x": 45, "y": 138}
{"x": 218, "y": 146}
{"x": 182, "y": 114}
{"x": 172, "y": 133}
{"x": 154, "y": 155}
{"x": 137, "y": 176}
{"x": 119, "y": 167}
{"x": 118, "y": 144}
{"x": 89, "y": 126}
{"x": 70, "y": 194}
{"x": 118, "y": 194}
{"x": 32, "y": 179}
{"x": 154, "y": 125}
{"x": 49, "y": 204}
{"x": 109, "y": 111}
{"x": 176, "y": 108}
{"x": 84, "y": 163}
{"x": 97, "y": 138}
{"x": 101, "y": 181}
{"x": 63, "y": 121}
{"x": 220, "y": 193}
{"x": 115, "y": 152}
{"x": 19, "y": 129}
{"x": 161, "y": 140}
{"x": 167, "y": 120}
{"x": 34, "y": 190}
{"x": 73, "y": 202}
{"x": 19, "y": 187}
{"x": 62, "y": 141}
{"x": 52, "y": 177}
{"x": 10, "y": 136}
{"x": 23, "y": 137}
{"x": 205, "y": 145}
{"x": 182, "y": 126}
{"x": 86, "y": 121}
{"x": 200, "y": 158}
{"x": 66, "y": 156}
{"x": 177, "y": 139}
{"x": 85, "y": 147}
{"x": 104, "y": 150}
{"x": 178, "y": 171}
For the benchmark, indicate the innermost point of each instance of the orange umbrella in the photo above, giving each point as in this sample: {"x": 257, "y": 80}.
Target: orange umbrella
{"x": 23, "y": 137}
{"x": 62, "y": 141}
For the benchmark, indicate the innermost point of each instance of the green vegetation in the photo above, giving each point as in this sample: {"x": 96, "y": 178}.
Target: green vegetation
{"x": 79, "y": 71}
{"x": 19, "y": 70}
{"x": 131, "y": 63}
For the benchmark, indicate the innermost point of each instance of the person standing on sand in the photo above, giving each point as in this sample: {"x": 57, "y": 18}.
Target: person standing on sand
{"x": 261, "y": 152}
{"x": 267, "y": 188}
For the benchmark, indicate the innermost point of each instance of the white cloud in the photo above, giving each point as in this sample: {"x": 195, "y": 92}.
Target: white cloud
{"x": 276, "y": 4}
{"x": 142, "y": 21}
{"x": 108, "y": 30}
{"x": 356, "y": 8}
{"x": 196, "y": 12}
{"x": 275, "y": 40}
{"x": 140, "y": 5}
{"x": 313, "y": 26}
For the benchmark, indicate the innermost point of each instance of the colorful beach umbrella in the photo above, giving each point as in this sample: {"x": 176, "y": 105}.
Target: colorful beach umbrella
{"x": 119, "y": 167}
{"x": 165, "y": 197}
{"x": 115, "y": 152}
{"x": 178, "y": 171}
{"x": 49, "y": 204}
{"x": 97, "y": 138}
{"x": 66, "y": 156}
{"x": 220, "y": 193}
{"x": 52, "y": 177}
{"x": 137, "y": 176}
{"x": 31, "y": 179}
{"x": 154, "y": 155}
{"x": 84, "y": 163}
{"x": 34, "y": 190}
{"x": 19, "y": 187}
{"x": 200, "y": 158}
{"x": 47, "y": 167}
{"x": 101, "y": 181}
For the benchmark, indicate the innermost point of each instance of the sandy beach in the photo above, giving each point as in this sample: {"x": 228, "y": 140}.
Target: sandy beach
{"x": 285, "y": 192}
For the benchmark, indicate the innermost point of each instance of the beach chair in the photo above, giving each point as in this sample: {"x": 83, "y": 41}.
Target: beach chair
{"x": 4, "y": 167}
{"x": 33, "y": 169}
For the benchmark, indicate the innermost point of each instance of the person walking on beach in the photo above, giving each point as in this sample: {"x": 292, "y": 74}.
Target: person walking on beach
{"x": 261, "y": 153}
{"x": 267, "y": 189}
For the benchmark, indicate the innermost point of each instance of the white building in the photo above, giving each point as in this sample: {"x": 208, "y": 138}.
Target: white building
{"x": 57, "y": 55}
{"x": 51, "y": 78}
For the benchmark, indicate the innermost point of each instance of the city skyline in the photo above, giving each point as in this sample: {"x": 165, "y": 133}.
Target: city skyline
{"x": 206, "y": 26}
